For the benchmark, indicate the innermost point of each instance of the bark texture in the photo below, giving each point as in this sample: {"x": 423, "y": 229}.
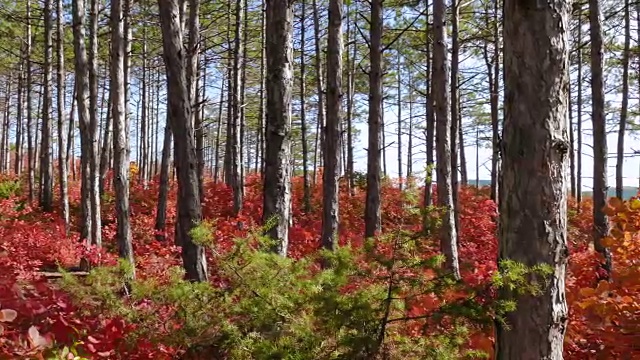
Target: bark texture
{"x": 277, "y": 180}
{"x": 372, "y": 214}
{"x": 533, "y": 229}
{"x": 600, "y": 221}
{"x": 120, "y": 150}
{"x": 189, "y": 207}
{"x": 448, "y": 234}
{"x": 330, "y": 208}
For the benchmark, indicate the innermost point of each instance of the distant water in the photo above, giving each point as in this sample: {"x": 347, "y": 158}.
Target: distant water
{"x": 627, "y": 191}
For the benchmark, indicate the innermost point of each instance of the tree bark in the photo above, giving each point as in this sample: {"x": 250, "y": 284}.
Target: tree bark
{"x": 579, "y": 105}
{"x": 495, "y": 97}
{"x": 625, "y": 100}
{"x": 277, "y": 181}
{"x": 455, "y": 64}
{"x": 430, "y": 130}
{"x": 333, "y": 138}
{"x": 30, "y": 142}
{"x": 189, "y": 207}
{"x": 120, "y": 148}
{"x": 46, "y": 160}
{"x": 303, "y": 117}
{"x": 236, "y": 119}
{"x": 372, "y": 215}
{"x": 62, "y": 141}
{"x": 163, "y": 187}
{"x": 94, "y": 180}
{"x": 319, "y": 141}
{"x": 600, "y": 221}
{"x": 533, "y": 229}
{"x": 82, "y": 98}
{"x": 448, "y": 234}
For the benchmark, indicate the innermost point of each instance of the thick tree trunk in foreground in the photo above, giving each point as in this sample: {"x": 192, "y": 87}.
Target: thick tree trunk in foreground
{"x": 189, "y": 208}
{"x": 533, "y": 229}
{"x": 330, "y": 214}
{"x": 277, "y": 178}
{"x": 448, "y": 234}
{"x": 161, "y": 213}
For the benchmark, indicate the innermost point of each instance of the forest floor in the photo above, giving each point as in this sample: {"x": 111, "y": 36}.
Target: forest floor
{"x": 604, "y": 320}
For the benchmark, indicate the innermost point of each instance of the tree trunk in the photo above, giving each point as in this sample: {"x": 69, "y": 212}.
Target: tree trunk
{"x": 236, "y": 119}
{"x": 625, "y": 100}
{"x": 430, "y": 131}
{"x": 303, "y": 117}
{"x": 399, "y": 128}
{"x": 372, "y": 215}
{"x": 495, "y": 97}
{"x": 319, "y": 142}
{"x": 62, "y": 141}
{"x": 533, "y": 229}
{"x": 455, "y": 55}
{"x": 277, "y": 180}
{"x": 333, "y": 138}
{"x": 46, "y": 160}
{"x": 17, "y": 167}
{"x": 189, "y": 207}
{"x": 29, "y": 90}
{"x": 163, "y": 187}
{"x": 448, "y": 234}
{"x": 94, "y": 180}
{"x": 600, "y": 221}
{"x": 579, "y": 105}
{"x": 216, "y": 173}
{"x": 351, "y": 63}
{"x": 82, "y": 98}
{"x": 120, "y": 150}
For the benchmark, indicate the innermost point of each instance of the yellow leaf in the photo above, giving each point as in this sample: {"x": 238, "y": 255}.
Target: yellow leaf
{"x": 607, "y": 241}
{"x": 586, "y": 292}
{"x": 634, "y": 204}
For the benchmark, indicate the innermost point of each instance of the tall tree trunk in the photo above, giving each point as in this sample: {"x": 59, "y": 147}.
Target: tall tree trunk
{"x": 303, "y": 117}
{"x": 46, "y": 160}
{"x": 236, "y": 119}
{"x": 410, "y": 137}
{"x": 189, "y": 207}
{"x": 625, "y": 100}
{"x": 579, "y": 105}
{"x": 199, "y": 129}
{"x": 62, "y": 141}
{"x": 448, "y": 234}
{"x": 17, "y": 167}
{"x": 430, "y": 131}
{"x": 29, "y": 90}
{"x": 260, "y": 147}
{"x": 372, "y": 215}
{"x": 216, "y": 173}
{"x": 120, "y": 150}
{"x": 455, "y": 63}
{"x": 533, "y": 229}
{"x": 399, "y": 128}
{"x": 142, "y": 175}
{"x": 600, "y": 221}
{"x": 277, "y": 180}
{"x": 495, "y": 97}
{"x": 163, "y": 187}
{"x": 105, "y": 159}
{"x": 70, "y": 153}
{"x": 319, "y": 141}
{"x": 94, "y": 181}
{"x": 572, "y": 154}
{"x": 351, "y": 63}
{"x": 82, "y": 95}
{"x": 333, "y": 138}
{"x": 464, "y": 177}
